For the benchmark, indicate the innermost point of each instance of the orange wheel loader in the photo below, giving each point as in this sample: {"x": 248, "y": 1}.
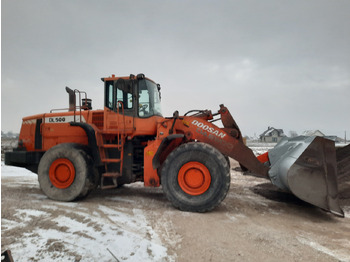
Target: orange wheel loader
{"x": 76, "y": 149}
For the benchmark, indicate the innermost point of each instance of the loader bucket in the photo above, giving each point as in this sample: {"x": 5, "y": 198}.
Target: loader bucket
{"x": 307, "y": 167}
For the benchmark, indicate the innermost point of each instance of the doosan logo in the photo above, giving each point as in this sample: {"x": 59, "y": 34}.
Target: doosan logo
{"x": 209, "y": 129}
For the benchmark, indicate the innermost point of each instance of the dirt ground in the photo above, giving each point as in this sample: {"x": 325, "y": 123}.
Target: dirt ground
{"x": 256, "y": 222}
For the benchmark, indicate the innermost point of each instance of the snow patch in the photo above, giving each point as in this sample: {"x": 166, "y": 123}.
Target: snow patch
{"x": 26, "y": 215}
{"x": 11, "y": 171}
{"x": 79, "y": 234}
{"x": 128, "y": 237}
{"x": 337, "y": 254}
{"x": 7, "y": 224}
{"x": 120, "y": 199}
{"x": 231, "y": 217}
{"x": 38, "y": 196}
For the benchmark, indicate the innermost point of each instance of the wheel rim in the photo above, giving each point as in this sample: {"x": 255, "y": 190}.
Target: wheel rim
{"x": 194, "y": 178}
{"x": 62, "y": 173}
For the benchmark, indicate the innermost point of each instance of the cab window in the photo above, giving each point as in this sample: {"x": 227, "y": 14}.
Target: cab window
{"x": 149, "y": 99}
{"x": 144, "y": 103}
{"x": 118, "y": 94}
{"x": 124, "y": 93}
{"x": 109, "y": 95}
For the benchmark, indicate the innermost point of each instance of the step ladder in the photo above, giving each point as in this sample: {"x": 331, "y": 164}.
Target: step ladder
{"x": 117, "y": 147}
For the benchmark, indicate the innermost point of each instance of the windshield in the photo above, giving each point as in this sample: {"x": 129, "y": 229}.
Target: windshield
{"x": 149, "y": 99}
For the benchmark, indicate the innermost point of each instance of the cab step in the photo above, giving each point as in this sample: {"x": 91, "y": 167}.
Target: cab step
{"x": 113, "y": 176}
{"x": 111, "y": 146}
{"x": 110, "y": 160}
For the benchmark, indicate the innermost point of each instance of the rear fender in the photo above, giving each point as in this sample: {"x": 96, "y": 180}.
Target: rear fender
{"x": 91, "y": 135}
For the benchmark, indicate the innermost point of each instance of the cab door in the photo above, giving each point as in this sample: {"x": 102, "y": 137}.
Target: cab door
{"x": 119, "y": 106}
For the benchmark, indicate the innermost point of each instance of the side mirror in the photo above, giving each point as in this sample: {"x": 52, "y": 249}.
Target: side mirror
{"x": 158, "y": 87}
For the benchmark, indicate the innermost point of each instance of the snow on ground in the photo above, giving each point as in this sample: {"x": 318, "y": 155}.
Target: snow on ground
{"x": 15, "y": 171}
{"x": 139, "y": 224}
{"x": 259, "y": 148}
{"x": 79, "y": 233}
{"x": 339, "y": 255}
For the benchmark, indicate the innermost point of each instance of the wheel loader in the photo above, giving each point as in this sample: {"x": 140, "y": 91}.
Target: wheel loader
{"x": 76, "y": 149}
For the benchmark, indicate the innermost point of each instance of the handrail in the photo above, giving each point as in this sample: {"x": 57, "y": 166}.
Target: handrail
{"x": 63, "y": 109}
{"x": 80, "y": 106}
{"x": 118, "y": 133}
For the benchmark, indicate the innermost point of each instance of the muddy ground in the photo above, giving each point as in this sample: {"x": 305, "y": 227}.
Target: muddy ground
{"x": 256, "y": 222}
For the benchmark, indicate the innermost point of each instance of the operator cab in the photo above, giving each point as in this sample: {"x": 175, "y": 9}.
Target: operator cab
{"x": 133, "y": 96}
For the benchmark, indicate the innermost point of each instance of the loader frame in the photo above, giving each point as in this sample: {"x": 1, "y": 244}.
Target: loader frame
{"x": 129, "y": 140}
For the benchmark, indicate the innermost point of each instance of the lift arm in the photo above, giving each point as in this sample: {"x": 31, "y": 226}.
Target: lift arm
{"x": 227, "y": 140}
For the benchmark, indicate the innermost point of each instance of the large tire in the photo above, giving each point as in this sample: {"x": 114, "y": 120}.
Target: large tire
{"x": 195, "y": 177}
{"x": 66, "y": 173}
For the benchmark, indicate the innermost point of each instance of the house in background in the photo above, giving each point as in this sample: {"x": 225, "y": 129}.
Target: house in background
{"x": 319, "y": 133}
{"x": 312, "y": 133}
{"x": 272, "y": 135}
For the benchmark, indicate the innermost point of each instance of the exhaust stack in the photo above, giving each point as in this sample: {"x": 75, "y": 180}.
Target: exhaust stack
{"x": 72, "y": 101}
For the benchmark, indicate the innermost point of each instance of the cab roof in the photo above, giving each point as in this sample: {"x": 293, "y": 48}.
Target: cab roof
{"x": 131, "y": 76}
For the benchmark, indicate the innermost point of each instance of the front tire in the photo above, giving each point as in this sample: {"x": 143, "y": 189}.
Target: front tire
{"x": 65, "y": 172}
{"x": 195, "y": 177}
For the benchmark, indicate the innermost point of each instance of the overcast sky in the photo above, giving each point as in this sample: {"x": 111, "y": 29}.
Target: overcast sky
{"x": 276, "y": 63}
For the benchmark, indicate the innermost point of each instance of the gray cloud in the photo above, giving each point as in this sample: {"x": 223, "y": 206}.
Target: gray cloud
{"x": 279, "y": 63}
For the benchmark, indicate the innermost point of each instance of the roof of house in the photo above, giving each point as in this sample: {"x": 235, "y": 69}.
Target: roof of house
{"x": 269, "y": 131}
{"x": 312, "y": 133}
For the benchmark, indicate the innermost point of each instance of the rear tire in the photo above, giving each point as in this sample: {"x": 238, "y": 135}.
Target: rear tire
{"x": 66, "y": 173}
{"x": 195, "y": 177}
